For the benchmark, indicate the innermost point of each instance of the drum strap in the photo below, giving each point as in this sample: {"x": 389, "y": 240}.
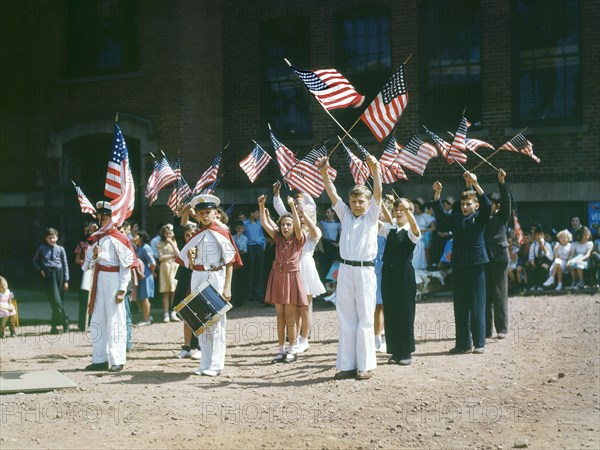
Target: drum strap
{"x": 98, "y": 268}
{"x": 201, "y": 268}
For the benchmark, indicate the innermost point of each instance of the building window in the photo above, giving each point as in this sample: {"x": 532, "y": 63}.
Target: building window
{"x": 102, "y": 37}
{"x": 450, "y": 62}
{"x": 547, "y": 60}
{"x": 285, "y": 101}
{"x": 363, "y": 48}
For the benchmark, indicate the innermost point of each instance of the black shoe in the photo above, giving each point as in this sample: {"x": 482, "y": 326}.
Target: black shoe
{"x": 394, "y": 359}
{"x": 54, "y": 330}
{"x": 345, "y": 374}
{"x": 279, "y": 358}
{"x": 405, "y": 360}
{"x": 116, "y": 368}
{"x": 459, "y": 350}
{"x": 96, "y": 367}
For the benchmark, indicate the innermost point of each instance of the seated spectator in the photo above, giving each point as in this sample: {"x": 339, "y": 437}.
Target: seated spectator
{"x": 513, "y": 251}
{"x": 539, "y": 260}
{"x": 595, "y": 263}
{"x": 562, "y": 250}
{"x": 575, "y": 226}
{"x": 579, "y": 257}
{"x": 522, "y": 258}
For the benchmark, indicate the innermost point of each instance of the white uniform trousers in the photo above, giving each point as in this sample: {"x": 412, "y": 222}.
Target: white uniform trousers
{"x": 212, "y": 341}
{"x": 355, "y": 304}
{"x": 108, "y": 325}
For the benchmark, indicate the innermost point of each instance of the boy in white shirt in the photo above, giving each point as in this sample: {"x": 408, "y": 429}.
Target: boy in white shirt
{"x": 357, "y": 283}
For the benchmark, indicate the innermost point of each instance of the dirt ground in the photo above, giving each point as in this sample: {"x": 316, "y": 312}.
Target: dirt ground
{"x": 538, "y": 388}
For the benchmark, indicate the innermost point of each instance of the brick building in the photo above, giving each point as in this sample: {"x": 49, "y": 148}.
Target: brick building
{"x": 194, "y": 75}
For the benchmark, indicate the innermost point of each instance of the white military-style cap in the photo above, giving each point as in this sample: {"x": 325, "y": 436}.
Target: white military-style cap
{"x": 205, "y": 201}
{"x": 103, "y": 207}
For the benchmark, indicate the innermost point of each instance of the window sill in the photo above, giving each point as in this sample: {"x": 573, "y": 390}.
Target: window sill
{"x": 548, "y": 129}
{"x": 97, "y": 78}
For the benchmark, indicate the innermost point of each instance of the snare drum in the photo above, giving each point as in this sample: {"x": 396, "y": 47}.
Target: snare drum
{"x": 202, "y": 308}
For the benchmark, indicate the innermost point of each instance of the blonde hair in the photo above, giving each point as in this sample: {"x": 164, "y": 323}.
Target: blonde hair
{"x": 469, "y": 195}
{"x": 359, "y": 190}
{"x": 564, "y": 233}
{"x": 2, "y": 279}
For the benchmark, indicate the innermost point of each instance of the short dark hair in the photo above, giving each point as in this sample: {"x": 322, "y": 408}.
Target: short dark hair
{"x": 239, "y": 223}
{"x": 144, "y": 237}
{"x": 51, "y": 232}
{"x": 495, "y": 197}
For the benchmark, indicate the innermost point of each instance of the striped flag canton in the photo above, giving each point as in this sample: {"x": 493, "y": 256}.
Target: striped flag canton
{"x": 520, "y": 142}
{"x": 311, "y": 80}
{"x": 462, "y": 126}
{"x": 413, "y": 145}
{"x": 394, "y": 87}
{"x": 314, "y": 154}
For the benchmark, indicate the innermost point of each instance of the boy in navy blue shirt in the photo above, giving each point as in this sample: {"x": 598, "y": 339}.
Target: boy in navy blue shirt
{"x": 468, "y": 259}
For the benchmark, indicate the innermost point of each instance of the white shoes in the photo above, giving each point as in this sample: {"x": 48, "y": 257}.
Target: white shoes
{"x": 208, "y": 372}
{"x": 380, "y": 345}
{"x": 195, "y": 354}
{"x": 330, "y": 298}
{"x": 558, "y": 286}
{"x": 174, "y": 317}
{"x": 302, "y": 345}
{"x": 184, "y": 354}
{"x": 166, "y": 318}
{"x": 145, "y": 323}
{"x": 549, "y": 282}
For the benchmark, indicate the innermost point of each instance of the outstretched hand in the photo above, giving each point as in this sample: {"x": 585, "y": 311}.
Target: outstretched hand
{"x": 262, "y": 200}
{"x": 322, "y": 164}
{"x": 276, "y": 188}
{"x": 501, "y": 176}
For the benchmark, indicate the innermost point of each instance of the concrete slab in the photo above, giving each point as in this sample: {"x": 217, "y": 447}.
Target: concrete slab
{"x": 33, "y": 381}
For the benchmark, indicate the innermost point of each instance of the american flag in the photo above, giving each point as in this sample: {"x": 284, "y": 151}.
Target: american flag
{"x": 161, "y": 177}
{"x": 174, "y": 200}
{"x": 358, "y": 168}
{"x": 474, "y": 144}
{"x": 210, "y": 189}
{"x": 119, "y": 185}
{"x": 210, "y": 175}
{"x": 181, "y": 191}
{"x": 330, "y": 88}
{"x": 307, "y": 177}
{"x": 520, "y": 144}
{"x": 518, "y": 229}
{"x": 286, "y": 160}
{"x": 388, "y": 175}
{"x": 390, "y": 163}
{"x": 458, "y": 144}
{"x": 383, "y": 113}
{"x": 84, "y": 203}
{"x": 255, "y": 162}
{"x": 416, "y": 154}
{"x": 446, "y": 149}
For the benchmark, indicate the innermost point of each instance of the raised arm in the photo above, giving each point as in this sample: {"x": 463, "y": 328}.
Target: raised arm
{"x": 313, "y": 229}
{"x": 505, "y": 203}
{"x": 277, "y": 202}
{"x": 386, "y": 213}
{"x": 410, "y": 219}
{"x": 377, "y": 189}
{"x": 295, "y": 219}
{"x": 485, "y": 207}
{"x": 266, "y": 224}
{"x": 323, "y": 164}
{"x": 441, "y": 215}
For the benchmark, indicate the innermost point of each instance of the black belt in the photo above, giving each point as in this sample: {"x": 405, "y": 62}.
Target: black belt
{"x": 358, "y": 263}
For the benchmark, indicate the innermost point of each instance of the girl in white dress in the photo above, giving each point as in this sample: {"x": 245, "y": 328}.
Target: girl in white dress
{"x": 561, "y": 255}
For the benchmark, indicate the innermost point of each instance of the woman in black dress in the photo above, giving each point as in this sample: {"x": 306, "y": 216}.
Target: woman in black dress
{"x": 398, "y": 285}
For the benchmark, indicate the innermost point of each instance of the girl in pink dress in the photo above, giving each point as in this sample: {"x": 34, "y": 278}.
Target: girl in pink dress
{"x": 285, "y": 288}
